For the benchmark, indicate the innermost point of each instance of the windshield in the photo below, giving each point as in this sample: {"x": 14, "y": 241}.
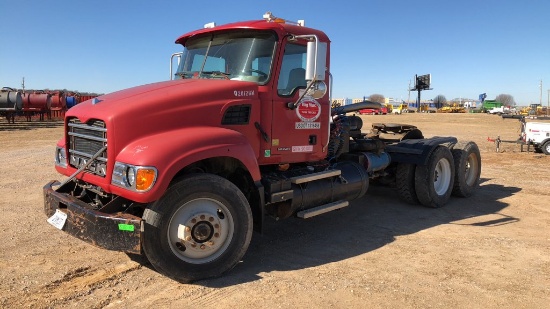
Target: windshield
{"x": 243, "y": 55}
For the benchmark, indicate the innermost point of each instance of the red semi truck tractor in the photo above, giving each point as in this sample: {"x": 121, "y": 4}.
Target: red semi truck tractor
{"x": 183, "y": 171}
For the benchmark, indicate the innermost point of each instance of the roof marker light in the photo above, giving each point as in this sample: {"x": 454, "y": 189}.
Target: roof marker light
{"x": 210, "y": 25}
{"x": 269, "y": 17}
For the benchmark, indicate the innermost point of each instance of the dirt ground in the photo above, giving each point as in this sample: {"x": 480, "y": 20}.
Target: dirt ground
{"x": 491, "y": 250}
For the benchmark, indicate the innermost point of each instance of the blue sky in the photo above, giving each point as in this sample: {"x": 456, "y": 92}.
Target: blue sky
{"x": 468, "y": 46}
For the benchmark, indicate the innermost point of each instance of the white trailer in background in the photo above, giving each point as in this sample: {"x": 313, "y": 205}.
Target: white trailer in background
{"x": 538, "y": 135}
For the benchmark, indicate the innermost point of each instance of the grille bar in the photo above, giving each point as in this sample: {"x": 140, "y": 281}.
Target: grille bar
{"x": 84, "y": 136}
{"x": 88, "y": 127}
{"x": 85, "y": 140}
{"x": 86, "y": 155}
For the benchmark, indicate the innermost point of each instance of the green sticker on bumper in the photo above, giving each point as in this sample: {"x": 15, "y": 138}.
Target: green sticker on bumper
{"x": 126, "y": 227}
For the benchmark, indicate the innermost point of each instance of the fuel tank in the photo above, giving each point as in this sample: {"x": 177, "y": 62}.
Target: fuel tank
{"x": 352, "y": 183}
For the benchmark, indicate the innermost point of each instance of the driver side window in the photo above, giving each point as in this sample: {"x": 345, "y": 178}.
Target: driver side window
{"x": 293, "y": 73}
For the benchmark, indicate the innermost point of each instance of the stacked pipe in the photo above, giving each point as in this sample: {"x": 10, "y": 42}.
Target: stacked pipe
{"x": 59, "y": 105}
{"x": 10, "y": 100}
{"x": 71, "y": 101}
{"x": 82, "y": 98}
{"x": 36, "y": 102}
{"x": 16, "y": 102}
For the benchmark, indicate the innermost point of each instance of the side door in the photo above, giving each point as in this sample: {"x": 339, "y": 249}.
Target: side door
{"x": 299, "y": 134}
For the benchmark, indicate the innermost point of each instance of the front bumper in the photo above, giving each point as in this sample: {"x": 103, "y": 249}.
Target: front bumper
{"x": 112, "y": 231}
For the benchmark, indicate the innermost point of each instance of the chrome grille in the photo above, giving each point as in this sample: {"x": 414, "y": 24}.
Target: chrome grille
{"x": 85, "y": 140}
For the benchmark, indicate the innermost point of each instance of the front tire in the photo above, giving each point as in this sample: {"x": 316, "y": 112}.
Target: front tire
{"x": 434, "y": 181}
{"x": 467, "y": 161}
{"x": 546, "y": 148}
{"x": 199, "y": 229}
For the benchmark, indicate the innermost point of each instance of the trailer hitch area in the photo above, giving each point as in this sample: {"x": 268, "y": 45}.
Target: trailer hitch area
{"x": 519, "y": 141}
{"x": 497, "y": 142}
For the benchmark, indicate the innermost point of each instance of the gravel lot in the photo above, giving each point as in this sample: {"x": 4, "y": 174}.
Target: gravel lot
{"x": 491, "y": 250}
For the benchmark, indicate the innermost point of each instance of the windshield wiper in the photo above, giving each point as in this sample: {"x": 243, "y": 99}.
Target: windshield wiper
{"x": 184, "y": 74}
{"x": 206, "y": 54}
{"x": 217, "y": 74}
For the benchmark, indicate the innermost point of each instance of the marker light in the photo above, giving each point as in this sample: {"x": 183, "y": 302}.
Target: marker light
{"x": 145, "y": 178}
{"x": 269, "y": 17}
{"x": 60, "y": 157}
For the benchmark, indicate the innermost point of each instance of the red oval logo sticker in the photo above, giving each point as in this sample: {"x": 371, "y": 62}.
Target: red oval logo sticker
{"x": 308, "y": 110}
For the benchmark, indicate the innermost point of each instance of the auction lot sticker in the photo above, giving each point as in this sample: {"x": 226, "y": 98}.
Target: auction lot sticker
{"x": 58, "y": 219}
{"x": 307, "y": 148}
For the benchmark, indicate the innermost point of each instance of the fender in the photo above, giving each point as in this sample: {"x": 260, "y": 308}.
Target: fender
{"x": 171, "y": 151}
{"x": 417, "y": 151}
{"x": 543, "y": 141}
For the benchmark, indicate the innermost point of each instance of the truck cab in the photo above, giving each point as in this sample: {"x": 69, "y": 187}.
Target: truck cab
{"x": 272, "y": 59}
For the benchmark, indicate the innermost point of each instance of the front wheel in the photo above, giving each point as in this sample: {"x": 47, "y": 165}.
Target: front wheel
{"x": 199, "y": 229}
{"x": 546, "y": 148}
{"x": 434, "y": 181}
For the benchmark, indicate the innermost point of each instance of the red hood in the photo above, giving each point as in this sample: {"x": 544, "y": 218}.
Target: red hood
{"x": 160, "y": 107}
{"x": 163, "y": 98}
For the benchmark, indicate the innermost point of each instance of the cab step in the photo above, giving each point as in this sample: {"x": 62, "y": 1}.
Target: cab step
{"x": 312, "y": 212}
{"x": 315, "y": 176}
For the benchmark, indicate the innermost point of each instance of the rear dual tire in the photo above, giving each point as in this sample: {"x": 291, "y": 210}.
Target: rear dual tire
{"x": 404, "y": 181}
{"x": 454, "y": 171}
{"x": 467, "y": 160}
{"x": 434, "y": 181}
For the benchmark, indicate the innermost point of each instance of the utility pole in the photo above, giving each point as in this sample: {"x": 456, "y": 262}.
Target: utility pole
{"x": 409, "y": 99}
{"x": 540, "y": 99}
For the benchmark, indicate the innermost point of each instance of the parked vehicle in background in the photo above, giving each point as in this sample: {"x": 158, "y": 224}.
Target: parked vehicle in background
{"x": 452, "y": 108}
{"x": 538, "y": 135}
{"x": 383, "y": 110}
{"x": 502, "y": 110}
{"x": 425, "y": 108}
{"x": 534, "y": 110}
{"x": 400, "y": 109}
{"x": 490, "y": 104}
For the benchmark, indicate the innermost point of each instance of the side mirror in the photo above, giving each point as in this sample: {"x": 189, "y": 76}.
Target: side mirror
{"x": 178, "y": 58}
{"x": 316, "y": 67}
{"x": 316, "y": 61}
{"x": 318, "y": 89}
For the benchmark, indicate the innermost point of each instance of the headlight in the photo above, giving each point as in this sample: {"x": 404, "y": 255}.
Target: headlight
{"x": 60, "y": 157}
{"x": 132, "y": 177}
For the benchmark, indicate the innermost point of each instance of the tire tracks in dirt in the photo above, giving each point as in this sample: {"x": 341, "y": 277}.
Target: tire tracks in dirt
{"x": 76, "y": 283}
